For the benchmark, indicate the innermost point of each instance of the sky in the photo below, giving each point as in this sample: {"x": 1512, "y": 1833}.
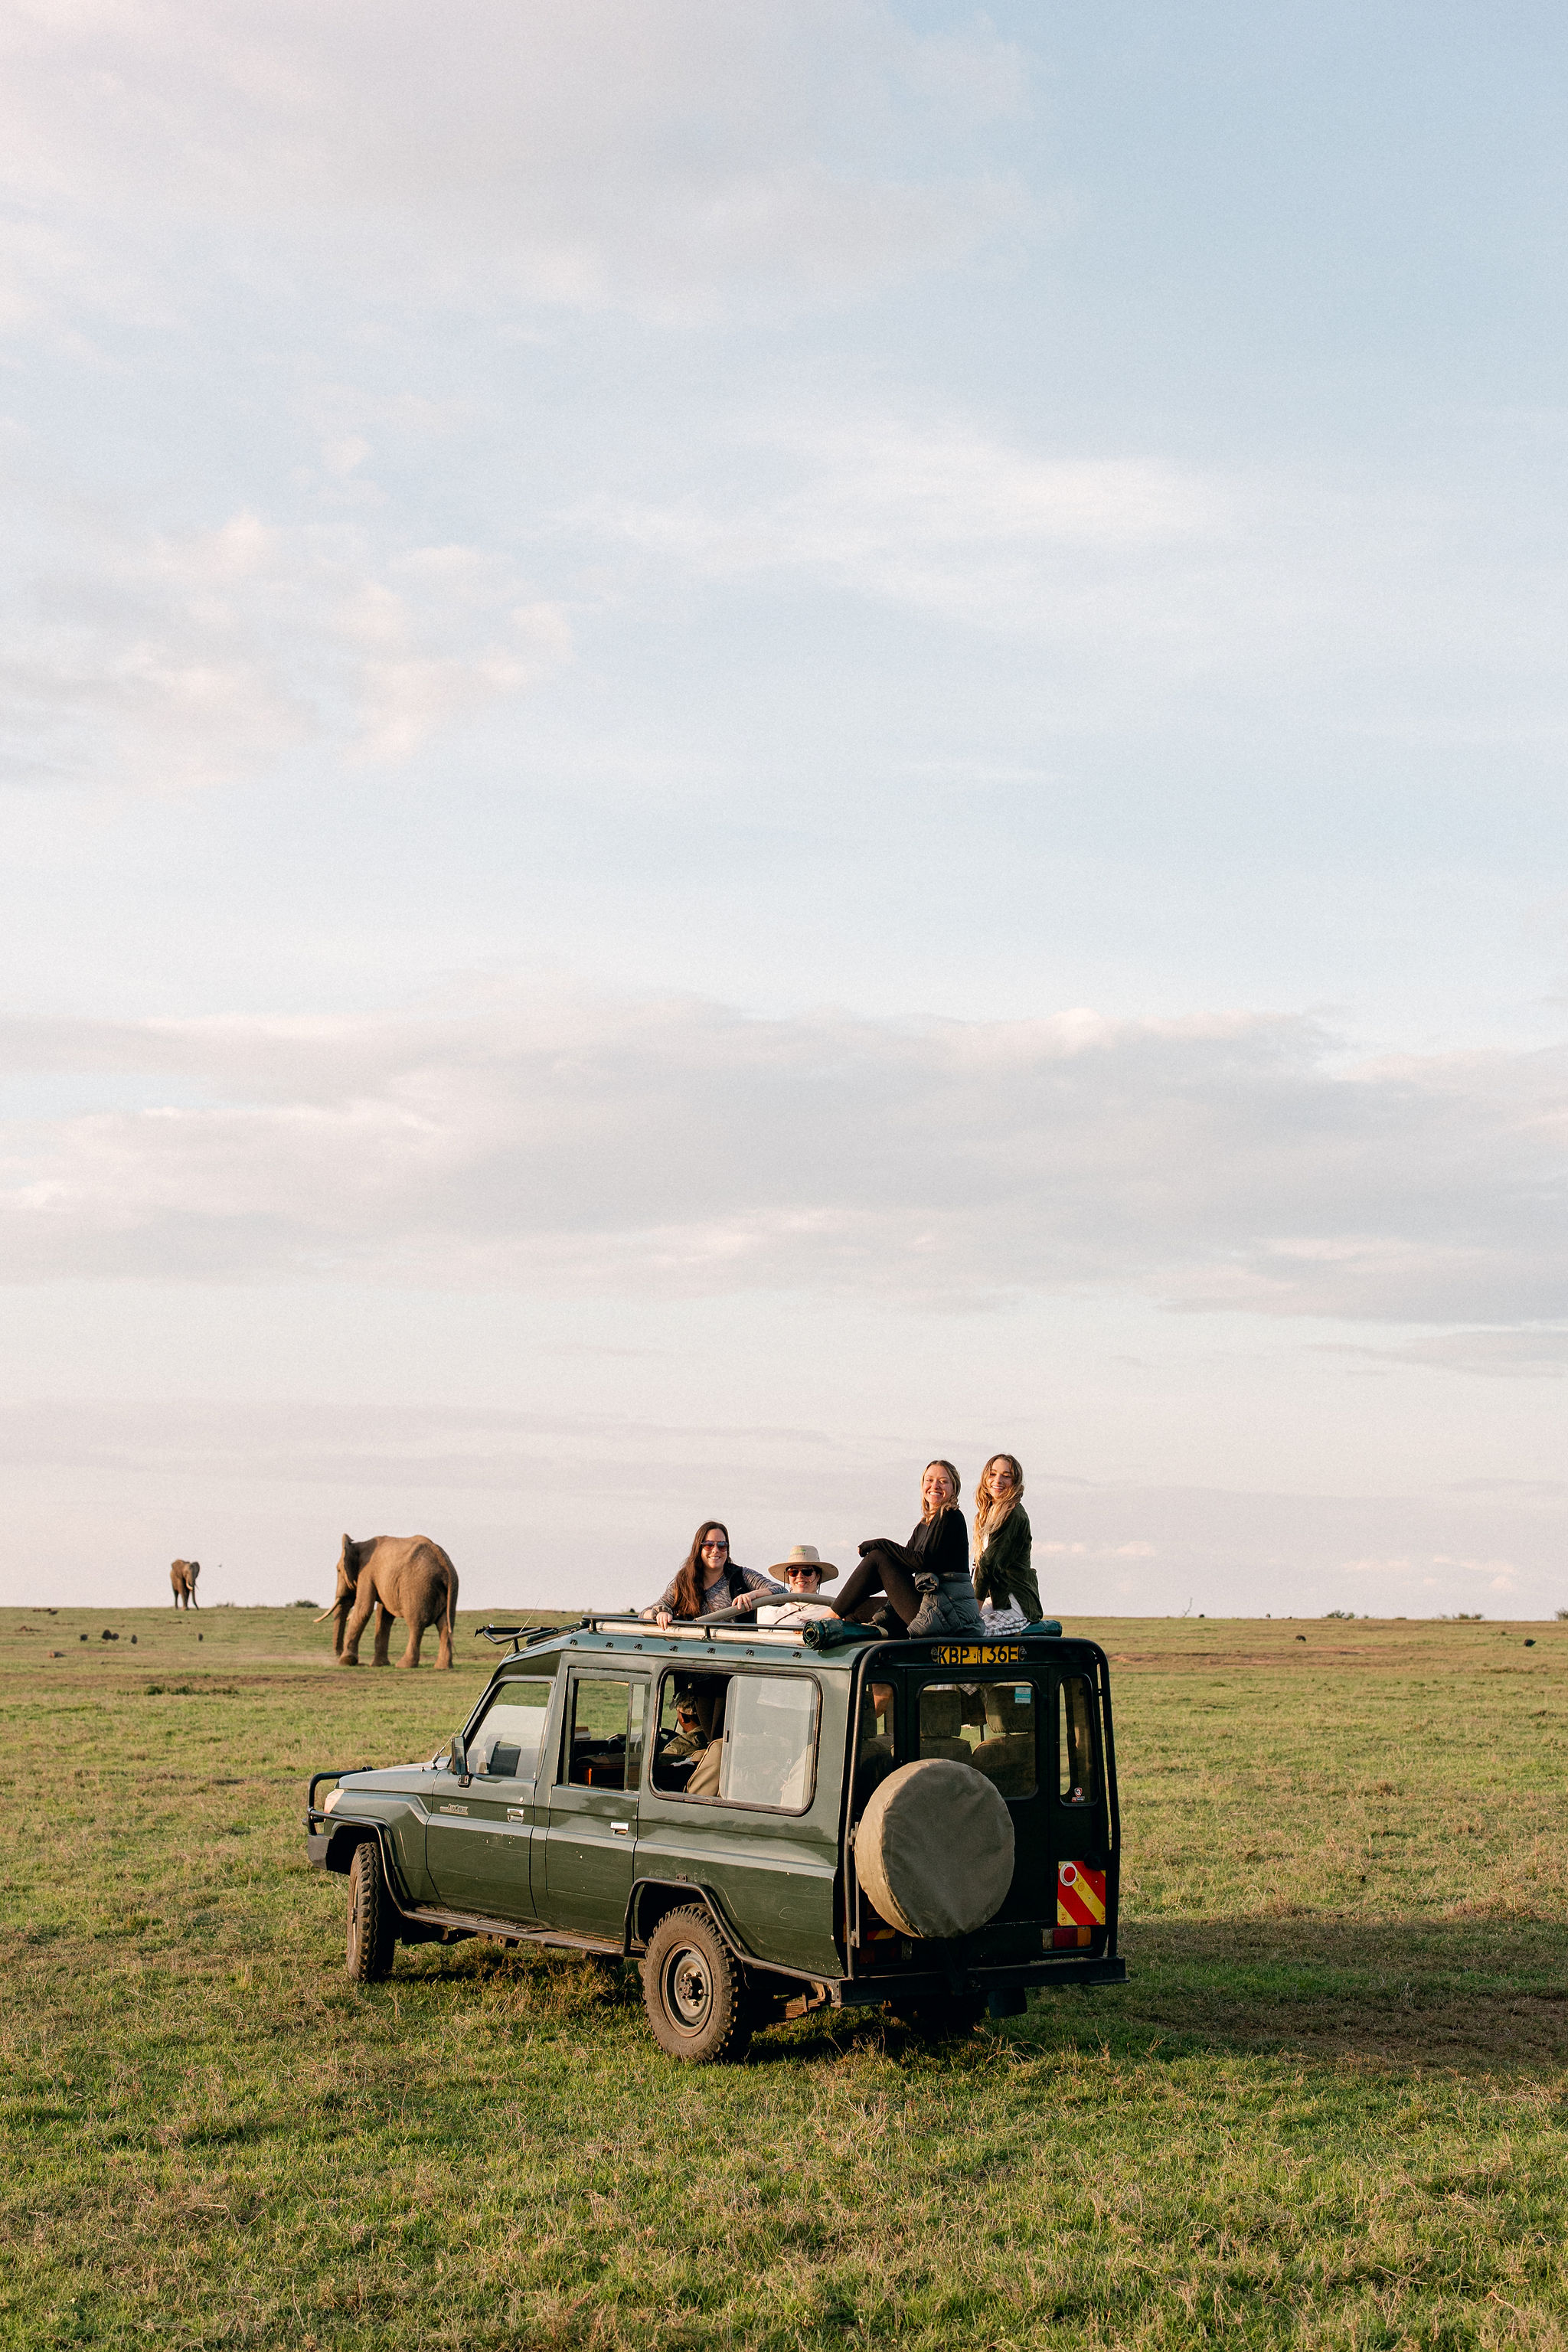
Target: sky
{"x": 737, "y": 745}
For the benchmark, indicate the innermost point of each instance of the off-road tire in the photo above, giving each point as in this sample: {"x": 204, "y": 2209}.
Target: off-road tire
{"x": 942, "y": 2017}
{"x": 696, "y": 2002}
{"x": 372, "y": 1937}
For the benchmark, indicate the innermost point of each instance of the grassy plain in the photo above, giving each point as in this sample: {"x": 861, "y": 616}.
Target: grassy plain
{"x": 1329, "y": 2110}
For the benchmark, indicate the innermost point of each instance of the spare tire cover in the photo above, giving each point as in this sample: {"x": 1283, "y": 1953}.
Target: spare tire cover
{"x": 935, "y": 1848}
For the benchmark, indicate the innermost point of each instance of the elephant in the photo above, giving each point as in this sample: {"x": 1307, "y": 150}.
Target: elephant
{"x": 404, "y": 1576}
{"x": 183, "y": 1576}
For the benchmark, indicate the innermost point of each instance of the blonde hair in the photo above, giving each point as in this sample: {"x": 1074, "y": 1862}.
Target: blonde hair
{"x": 989, "y": 1514}
{"x": 938, "y": 1464}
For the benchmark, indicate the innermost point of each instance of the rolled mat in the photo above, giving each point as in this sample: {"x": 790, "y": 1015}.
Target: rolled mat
{"x": 832, "y": 1633}
{"x": 935, "y": 1848}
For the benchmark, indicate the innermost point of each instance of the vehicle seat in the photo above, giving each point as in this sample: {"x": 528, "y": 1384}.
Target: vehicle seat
{"x": 1009, "y": 1762}
{"x": 941, "y": 1724}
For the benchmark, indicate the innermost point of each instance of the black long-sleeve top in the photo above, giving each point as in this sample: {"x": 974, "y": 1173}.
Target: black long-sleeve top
{"x": 943, "y": 1545}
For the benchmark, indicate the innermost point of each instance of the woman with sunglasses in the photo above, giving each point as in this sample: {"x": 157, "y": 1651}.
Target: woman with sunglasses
{"x": 708, "y": 1579}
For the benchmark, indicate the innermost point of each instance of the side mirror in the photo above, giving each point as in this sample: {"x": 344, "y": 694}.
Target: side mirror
{"x": 459, "y": 1757}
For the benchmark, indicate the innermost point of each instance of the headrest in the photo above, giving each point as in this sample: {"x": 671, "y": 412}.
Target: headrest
{"x": 942, "y": 1714}
{"x": 1005, "y": 1711}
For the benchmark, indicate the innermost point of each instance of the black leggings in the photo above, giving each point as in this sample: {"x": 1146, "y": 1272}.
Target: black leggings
{"x": 889, "y": 1567}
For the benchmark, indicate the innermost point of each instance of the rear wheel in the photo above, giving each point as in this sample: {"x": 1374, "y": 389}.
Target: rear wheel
{"x": 942, "y": 2017}
{"x": 696, "y": 2002}
{"x": 371, "y": 1931}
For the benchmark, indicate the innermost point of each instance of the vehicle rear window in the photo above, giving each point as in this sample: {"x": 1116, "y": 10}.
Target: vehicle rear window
{"x": 988, "y": 1725}
{"x": 1078, "y": 1780}
{"x": 506, "y": 1744}
{"x": 738, "y": 1739}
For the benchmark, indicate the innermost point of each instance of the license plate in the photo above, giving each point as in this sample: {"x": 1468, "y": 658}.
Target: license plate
{"x": 978, "y": 1654}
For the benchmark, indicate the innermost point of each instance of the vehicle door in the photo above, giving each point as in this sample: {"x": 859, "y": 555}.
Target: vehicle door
{"x": 1080, "y": 1815}
{"x": 750, "y": 1816}
{"x": 591, "y": 1840}
{"x": 479, "y": 1834}
{"x": 998, "y": 1723}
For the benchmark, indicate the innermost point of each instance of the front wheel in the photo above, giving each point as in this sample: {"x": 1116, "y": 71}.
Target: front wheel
{"x": 692, "y": 1990}
{"x": 371, "y": 1931}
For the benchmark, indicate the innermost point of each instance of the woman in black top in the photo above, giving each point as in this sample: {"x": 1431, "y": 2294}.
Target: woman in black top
{"x": 927, "y": 1579}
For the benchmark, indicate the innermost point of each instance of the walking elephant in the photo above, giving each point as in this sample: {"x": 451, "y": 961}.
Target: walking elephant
{"x": 403, "y": 1576}
{"x": 183, "y": 1576}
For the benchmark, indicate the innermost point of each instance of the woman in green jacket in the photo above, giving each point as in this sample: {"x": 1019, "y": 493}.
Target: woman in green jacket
{"x": 1005, "y": 1582}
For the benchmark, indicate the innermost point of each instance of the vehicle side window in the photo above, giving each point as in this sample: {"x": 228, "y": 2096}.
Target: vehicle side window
{"x": 770, "y": 1742}
{"x": 602, "y": 1747}
{"x": 506, "y": 1744}
{"x": 988, "y": 1725}
{"x": 737, "y": 1739}
{"x": 1075, "y": 1742}
{"x": 690, "y": 1717}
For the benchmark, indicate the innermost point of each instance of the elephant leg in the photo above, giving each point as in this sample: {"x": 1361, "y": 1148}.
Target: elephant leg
{"x": 444, "y": 1654}
{"x": 383, "y": 1637}
{"x": 359, "y": 1618}
{"x": 416, "y": 1635}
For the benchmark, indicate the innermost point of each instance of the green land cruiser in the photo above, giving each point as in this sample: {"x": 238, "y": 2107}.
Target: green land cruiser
{"x": 767, "y": 1826}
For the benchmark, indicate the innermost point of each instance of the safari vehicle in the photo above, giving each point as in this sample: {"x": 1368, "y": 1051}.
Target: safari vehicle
{"x": 767, "y": 1826}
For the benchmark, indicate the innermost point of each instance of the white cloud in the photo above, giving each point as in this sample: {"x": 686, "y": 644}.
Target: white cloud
{"x": 1299, "y": 588}
{"x": 1531, "y": 1351}
{"x": 652, "y": 153}
{"x": 1232, "y": 1162}
{"x": 942, "y": 517}
{"x": 187, "y": 660}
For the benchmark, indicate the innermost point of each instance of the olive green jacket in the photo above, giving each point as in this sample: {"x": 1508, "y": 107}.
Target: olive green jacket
{"x": 1003, "y": 1572}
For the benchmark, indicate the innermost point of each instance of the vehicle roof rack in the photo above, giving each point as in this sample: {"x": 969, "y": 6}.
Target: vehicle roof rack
{"x": 519, "y": 1636}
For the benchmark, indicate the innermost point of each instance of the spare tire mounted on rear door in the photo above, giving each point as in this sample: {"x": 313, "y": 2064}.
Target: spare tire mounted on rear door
{"x": 935, "y": 1848}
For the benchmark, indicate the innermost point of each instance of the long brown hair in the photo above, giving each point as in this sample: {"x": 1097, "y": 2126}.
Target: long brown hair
{"x": 938, "y": 1464}
{"x": 989, "y": 1516}
{"x": 689, "y": 1576}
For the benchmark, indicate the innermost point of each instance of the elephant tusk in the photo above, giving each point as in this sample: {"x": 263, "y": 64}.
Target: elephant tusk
{"x": 325, "y": 1614}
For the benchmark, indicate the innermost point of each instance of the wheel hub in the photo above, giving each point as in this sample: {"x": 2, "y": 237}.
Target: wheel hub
{"x": 690, "y": 1991}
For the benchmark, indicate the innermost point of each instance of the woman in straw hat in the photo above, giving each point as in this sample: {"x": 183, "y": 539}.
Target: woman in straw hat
{"x": 805, "y": 1573}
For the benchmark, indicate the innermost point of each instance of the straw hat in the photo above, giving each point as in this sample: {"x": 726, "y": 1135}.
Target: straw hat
{"x": 805, "y": 1556}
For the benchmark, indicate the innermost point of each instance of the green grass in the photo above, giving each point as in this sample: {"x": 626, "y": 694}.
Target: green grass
{"x": 1328, "y": 2110}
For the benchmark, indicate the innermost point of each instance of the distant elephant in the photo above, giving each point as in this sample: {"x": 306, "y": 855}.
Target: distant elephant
{"x": 183, "y": 1576}
{"x": 404, "y": 1576}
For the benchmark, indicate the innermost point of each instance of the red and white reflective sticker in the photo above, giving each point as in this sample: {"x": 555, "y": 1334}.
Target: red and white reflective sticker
{"x": 1081, "y": 1895}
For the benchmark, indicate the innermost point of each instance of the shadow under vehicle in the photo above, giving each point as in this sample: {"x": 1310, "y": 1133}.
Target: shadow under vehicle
{"x": 692, "y": 1799}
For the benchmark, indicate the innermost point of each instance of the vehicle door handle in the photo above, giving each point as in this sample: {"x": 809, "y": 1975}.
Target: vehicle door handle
{"x": 516, "y": 1813}
{"x": 620, "y": 1828}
